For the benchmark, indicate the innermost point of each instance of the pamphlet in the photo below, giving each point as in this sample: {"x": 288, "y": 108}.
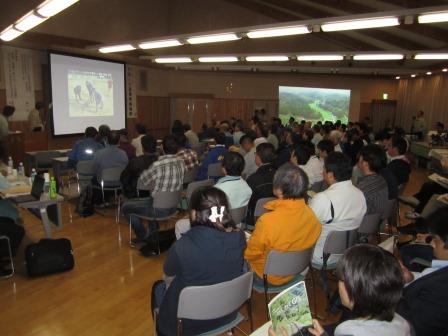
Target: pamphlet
{"x": 290, "y": 310}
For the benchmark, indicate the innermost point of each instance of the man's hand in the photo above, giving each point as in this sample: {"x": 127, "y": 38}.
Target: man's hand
{"x": 317, "y": 329}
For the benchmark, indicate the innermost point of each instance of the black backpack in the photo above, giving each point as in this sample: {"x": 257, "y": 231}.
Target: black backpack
{"x": 85, "y": 202}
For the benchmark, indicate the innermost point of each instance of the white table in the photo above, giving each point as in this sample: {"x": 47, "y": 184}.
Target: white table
{"x": 440, "y": 155}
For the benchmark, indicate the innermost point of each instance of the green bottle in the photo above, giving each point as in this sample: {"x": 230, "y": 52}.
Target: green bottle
{"x": 53, "y": 192}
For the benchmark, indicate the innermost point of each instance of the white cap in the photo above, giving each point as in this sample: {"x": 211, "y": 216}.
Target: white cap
{"x": 47, "y": 177}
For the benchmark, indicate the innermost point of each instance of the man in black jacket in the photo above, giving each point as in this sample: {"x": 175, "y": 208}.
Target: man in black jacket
{"x": 425, "y": 299}
{"x": 261, "y": 181}
{"x": 399, "y": 165}
{"x": 136, "y": 166}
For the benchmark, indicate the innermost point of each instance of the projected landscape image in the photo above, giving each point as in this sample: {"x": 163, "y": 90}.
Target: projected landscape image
{"x": 313, "y": 104}
{"x": 90, "y": 94}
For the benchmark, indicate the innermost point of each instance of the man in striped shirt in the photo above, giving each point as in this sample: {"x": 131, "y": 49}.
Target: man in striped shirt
{"x": 166, "y": 174}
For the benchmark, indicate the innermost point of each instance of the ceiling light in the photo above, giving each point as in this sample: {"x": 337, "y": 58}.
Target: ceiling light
{"x": 52, "y": 7}
{"x": 173, "y": 60}
{"x": 10, "y": 34}
{"x": 218, "y": 59}
{"x": 159, "y": 44}
{"x": 431, "y": 56}
{"x": 320, "y": 57}
{"x": 398, "y": 77}
{"x": 377, "y": 57}
{"x": 429, "y": 73}
{"x": 277, "y": 58}
{"x": 29, "y": 21}
{"x": 413, "y": 75}
{"x": 213, "y": 38}
{"x": 445, "y": 70}
{"x": 360, "y": 24}
{"x": 116, "y": 48}
{"x": 281, "y": 31}
{"x": 433, "y": 17}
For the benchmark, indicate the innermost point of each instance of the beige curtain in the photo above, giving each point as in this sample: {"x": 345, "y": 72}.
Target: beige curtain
{"x": 429, "y": 94}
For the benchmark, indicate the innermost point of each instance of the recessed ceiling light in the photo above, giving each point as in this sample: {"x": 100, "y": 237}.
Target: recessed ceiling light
{"x": 274, "y": 58}
{"x": 116, "y": 48}
{"x": 52, "y": 7}
{"x": 281, "y": 31}
{"x": 445, "y": 70}
{"x": 173, "y": 60}
{"x": 159, "y": 44}
{"x": 320, "y": 57}
{"x": 213, "y": 38}
{"x": 433, "y": 17}
{"x": 431, "y": 56}
{"x": 10, "y": 33}
{"x": 378, "y": 57}
{"x": 413, "y": 75}
{"x": 218, "y": 59}
{"x": 29, "y": 21}
{"x": 429, "y": 73}
{"x": 360, "y": 24}
{"x": 398, "y": 77}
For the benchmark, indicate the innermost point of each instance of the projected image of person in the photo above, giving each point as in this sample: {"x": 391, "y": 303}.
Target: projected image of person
{"x": 77, "y": 92}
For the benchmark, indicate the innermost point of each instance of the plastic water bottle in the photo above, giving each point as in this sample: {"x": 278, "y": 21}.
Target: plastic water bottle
{"x": 47, "y": 183}
{"x": 33, "y": 175}
{"x": 53, "y": 192}
{"x": 21, "y": 171}
{"x": 10, "y": 166}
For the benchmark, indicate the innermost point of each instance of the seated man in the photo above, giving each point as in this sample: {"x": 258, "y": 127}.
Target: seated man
{"x": 290, "y": 225}
{"x": 193, "y": 140}
{"x": 188, "y": 155}
{"x": 371, "y": 160}
{"x": 214, "y": 156}
{"x": 261, "y": 181}
{"x": 315, "y": 165}
{"x": 233, "y": 185}
{"x": 136, "y": 142}
{"x": 248, "y": 151}
{"x": 125, "y": 145}
{"x": 137, "y": 165}
{"x": 424, "y": 302}
{"x": 84, "y": 149}
{"x": 166, "y": 174}
{"x": 341, "y": 207}
{"x": 399, "y": 165}
{"x": 421, "y": 199}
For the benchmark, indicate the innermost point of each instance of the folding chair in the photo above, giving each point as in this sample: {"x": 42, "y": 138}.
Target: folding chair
{"x": 238, "y": 215}
{"x": 369, "y": 226}
{"x": 215, "y": 170}
{"x": 84, "y": 172}
{"x": 110, "y": 181}
{"x": 193, "y": 186}
{"x": 8, "y": 243}
{"x": 284, "y": 264}
{"x": 215, "y": 301}
{"x": 259, "y": 207}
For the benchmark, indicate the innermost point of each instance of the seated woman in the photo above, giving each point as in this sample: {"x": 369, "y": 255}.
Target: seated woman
{"x": 290, "y": 226}
{"x": 370, "y": 286}
{"x": 210, "y": 253}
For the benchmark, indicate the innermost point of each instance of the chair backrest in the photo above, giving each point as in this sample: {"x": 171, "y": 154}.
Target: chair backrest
{"x": 287, "y": 263}
{"x": 141, "y": 186}
{"x": 85, "y": 168}
{"x": 190, "y": 175}
{"x": 111, "y": 176}
{"x": 238, "y": 214}
{"x": 193, "y": 186}
{"x": 166, "y": 199}
{"x": 214, "y": 301}
{"x": 259, "y": 207}
{"x": 215, "y": 170}
{"x": 317, "y": 186}
{"x": 43, "y": 159}
{"x": 199, "y": 149}
{"x": 338, "y": 241}
{"x": 370, "y": 224}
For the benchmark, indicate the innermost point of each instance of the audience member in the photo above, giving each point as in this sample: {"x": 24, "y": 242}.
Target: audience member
{"x": 262, "y": 134}
{"x": 177, "y": 127}
{"x": 188, "y": 155}
{"x": 382, "y": 138}
{"x": 84, "y": 149}
{"x": 341, "y": 207}
{"x": 8, "y": 111}
{"x": 317, "y": 137}
{"x": 352, "y": 145}
{"x": 103, "y": 135}
{"x": 210, "y": 253}
{"x": 125, "y": 145}
{"x": 289, "y": 226}
{"x": 247, "y": 145}
{"x": 261, "y": 181}
{"x": 238, "y": 132}
{"x": 371, "y": 160}
{"x": 315, "y": 165}
{"x": 399, "y": 164}
{"x": 215, "y": 155}
{"x": 136, "y": 142}
{"x": 336, "y": 137}
{"x": 132, "y": 172}
{"x": 165, "y": 174}
{"x": 272, "y": 137}
{"x": 299, "y": 157}
{"x": 193, "y": 140}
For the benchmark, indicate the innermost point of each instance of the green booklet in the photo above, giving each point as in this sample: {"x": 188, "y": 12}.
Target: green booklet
{"x": 290, "y": 310}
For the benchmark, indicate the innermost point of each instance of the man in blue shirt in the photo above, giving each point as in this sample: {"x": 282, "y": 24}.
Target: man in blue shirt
{"x": 214, "y": 156}
{"x": 85, "y": 148}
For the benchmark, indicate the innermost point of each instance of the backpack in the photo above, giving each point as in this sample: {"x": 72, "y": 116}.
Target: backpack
{"x": 85, "y": 202}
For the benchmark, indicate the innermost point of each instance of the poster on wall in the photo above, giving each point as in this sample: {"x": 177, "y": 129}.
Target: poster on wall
{"x": 131, "y": 94}
{"x": 19, "y": 80}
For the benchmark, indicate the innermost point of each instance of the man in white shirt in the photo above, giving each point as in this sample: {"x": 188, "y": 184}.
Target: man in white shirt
{"x": 247, "y": 145}
{"x": 336, "y": 137}
{"x": 341, "y": 207}
{"x": 34, "y": 118}
{"x": 315, "y": 165}
{"x": 192, "y": 137}
{"x": 137, "y": 142}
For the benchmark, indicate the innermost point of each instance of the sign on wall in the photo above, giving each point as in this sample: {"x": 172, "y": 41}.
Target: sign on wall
{"x": 19, "y": 80}
{"x": 131, "y": 94}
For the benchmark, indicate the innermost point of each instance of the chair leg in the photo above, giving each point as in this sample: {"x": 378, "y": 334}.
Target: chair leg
{"x": 10, "y": 259}
{"x": 249, "y": 313}
{"x": 266, "y": 299}
{"x": 179, "y": 327}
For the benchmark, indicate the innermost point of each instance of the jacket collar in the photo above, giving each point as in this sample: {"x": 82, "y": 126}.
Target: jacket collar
{"x": 285, "y": 204}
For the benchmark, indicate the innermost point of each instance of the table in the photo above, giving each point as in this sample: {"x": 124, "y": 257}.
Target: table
{"x": 30, "y": 157}
{"x": 440, "y": 156}
{"x": 422, "y": 149}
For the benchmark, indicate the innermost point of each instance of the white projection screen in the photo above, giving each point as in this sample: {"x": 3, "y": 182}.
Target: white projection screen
{"x": 86, "y": 92}
{"x": 313, "y": 104}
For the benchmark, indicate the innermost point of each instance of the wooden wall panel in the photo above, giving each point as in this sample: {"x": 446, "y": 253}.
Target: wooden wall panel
{"x": 154, "y": 112}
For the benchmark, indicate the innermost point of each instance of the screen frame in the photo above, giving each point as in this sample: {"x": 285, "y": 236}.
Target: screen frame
{"x": 94, "y": 58}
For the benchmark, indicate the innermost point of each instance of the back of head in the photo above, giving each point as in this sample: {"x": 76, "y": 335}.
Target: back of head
{"x": 114, "y": 138}
{"x": 140, "y": 128}
{"x": 209, "y": 204}
{"x": 382, "y": 135}
{"x": 90, "y": 132}
{"x": 169, "y": 145}
{"x": 373, "y": 280}
{"x": 181, "y": 140}
{"x": 437, "y": 224}
{"x": 8, "y": 110}
{"x": 149, "y": 144}
{"x": 262, "y": 130}
{"x": 375, "y": 156}
{"x": 302, "y": 154}
{"x": 233, "y": 163}
{"x": 326, "y": 145}
{"x": 123, "y": 132}
{"x": 292, "y": 181}
{"x": 220, "y": 138}
{"x": 340, "y": 165}
{"x": 103, "y": 131}
{"x": 266, "y": 152}
{"x": 400, "y": 144}
{"x": 187, "y": 127}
